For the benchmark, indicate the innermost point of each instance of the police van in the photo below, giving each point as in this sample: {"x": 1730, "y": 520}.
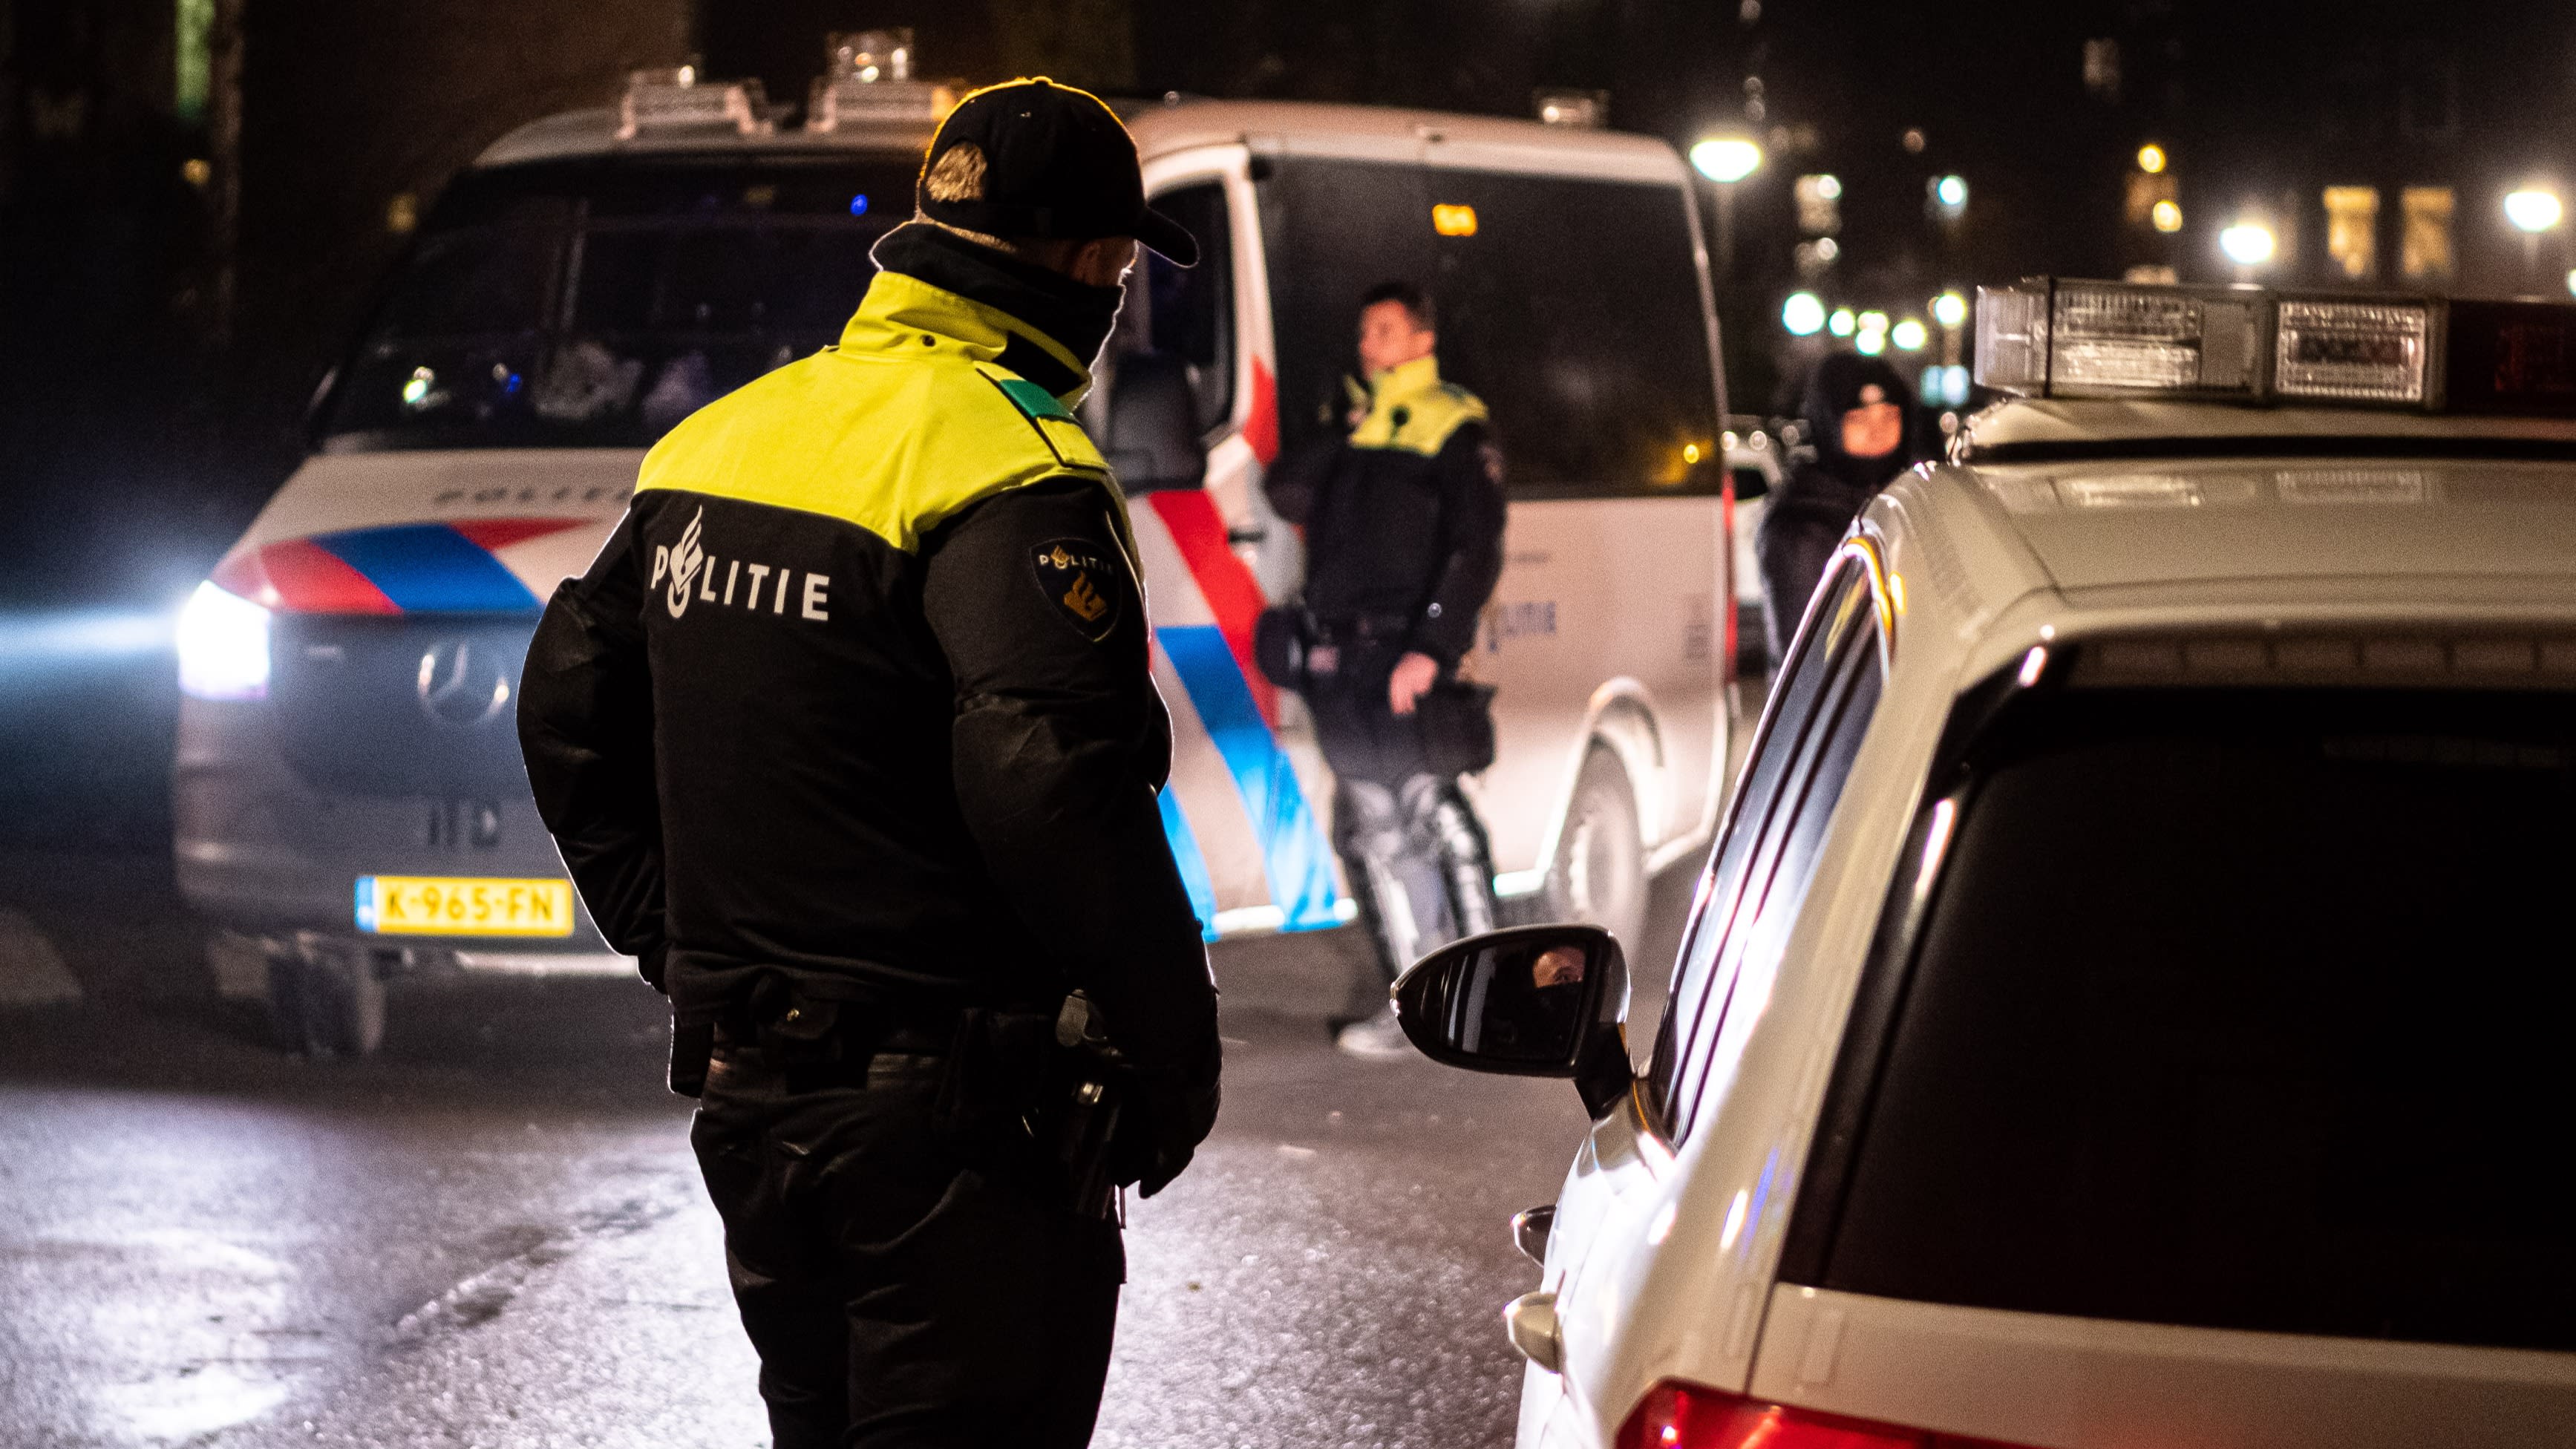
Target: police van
{"x": 2125, "y": 1005}
{"x": 348, "y": 798}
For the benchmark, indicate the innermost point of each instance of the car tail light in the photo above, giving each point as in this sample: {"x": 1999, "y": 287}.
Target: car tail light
{"x": 1676, "y": 1415}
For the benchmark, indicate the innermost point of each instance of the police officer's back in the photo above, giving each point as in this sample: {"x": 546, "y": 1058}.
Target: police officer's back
{"x": 848, "y": 736}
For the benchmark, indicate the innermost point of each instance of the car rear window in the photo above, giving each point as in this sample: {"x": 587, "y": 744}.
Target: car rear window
{"x": 2248, "y": 1009}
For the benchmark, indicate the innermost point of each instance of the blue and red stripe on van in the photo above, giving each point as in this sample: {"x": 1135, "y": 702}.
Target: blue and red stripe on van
{"x": 1239, "y": 710}
{"x": 405, "y": 568}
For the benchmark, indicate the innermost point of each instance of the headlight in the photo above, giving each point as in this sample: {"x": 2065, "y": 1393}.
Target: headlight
{"x": 223, "y": 646}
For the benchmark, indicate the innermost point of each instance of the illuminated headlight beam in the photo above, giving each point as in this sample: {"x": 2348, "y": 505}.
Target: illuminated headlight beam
{"x": 223, "y": 646}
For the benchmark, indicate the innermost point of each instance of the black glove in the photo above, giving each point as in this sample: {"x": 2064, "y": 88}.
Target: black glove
{"x": 650, "y": 964}
{"x": 1160, "y": 1129}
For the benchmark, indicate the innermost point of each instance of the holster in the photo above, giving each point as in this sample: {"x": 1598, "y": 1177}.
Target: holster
{"x": 996, "y": 1065}
{"x": 1077, "y": 1123}
{"x": 693, "y": 1047}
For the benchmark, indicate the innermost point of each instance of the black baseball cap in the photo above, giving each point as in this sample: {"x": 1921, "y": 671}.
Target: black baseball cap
{"x": 1031, "y": 158}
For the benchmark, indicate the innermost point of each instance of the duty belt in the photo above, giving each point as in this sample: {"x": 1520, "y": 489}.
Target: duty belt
{"x": 1364, "y": 629}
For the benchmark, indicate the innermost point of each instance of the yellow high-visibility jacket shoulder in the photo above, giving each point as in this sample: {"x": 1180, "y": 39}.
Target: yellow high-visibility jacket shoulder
{"x": 909, "y": 421}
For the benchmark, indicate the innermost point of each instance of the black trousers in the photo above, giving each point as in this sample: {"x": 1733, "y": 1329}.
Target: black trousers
{"x": 1411, "y": 846}
{"x": 1802, "y": 526}
{"x": 903, "y": 1289}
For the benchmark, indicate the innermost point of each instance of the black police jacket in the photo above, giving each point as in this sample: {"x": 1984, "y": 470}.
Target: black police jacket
{"x": 857, "y": 693}
{"x": 1404, "y": 520}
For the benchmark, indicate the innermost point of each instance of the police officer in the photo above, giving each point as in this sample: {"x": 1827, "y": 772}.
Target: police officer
{"x": 1404, "y": 540}
{"x": 848, "y": 737}
{"x": 1855, "y": 411}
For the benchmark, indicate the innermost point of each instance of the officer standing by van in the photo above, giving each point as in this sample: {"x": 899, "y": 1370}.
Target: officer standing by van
{"x": 1404, "y": 543}
{"x": 848, "y": 737}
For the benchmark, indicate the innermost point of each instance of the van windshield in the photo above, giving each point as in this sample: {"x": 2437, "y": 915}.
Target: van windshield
{"x": 595, "y": 303}
{"x": 2243, "y": 1009}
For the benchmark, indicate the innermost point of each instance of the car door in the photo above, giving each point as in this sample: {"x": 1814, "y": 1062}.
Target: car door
{"x": 1619, "y": 1202}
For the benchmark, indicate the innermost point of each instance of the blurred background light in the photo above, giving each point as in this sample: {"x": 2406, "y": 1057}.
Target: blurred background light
{"x": 1945, "y": 385}
{"x": 2168, "y": 216}
{"x": 2533, "y": 209}
{"x": 1803, "y": 314}
{"x": 1950, "y": 309}
{"x": 1841, "y": 323}
{"x": 1951, "y": 192}
{"x": 2248, "y": 243}
{"x": 2151, "y": 158}
{"x": 1726, "y": 158}
{"x": 1909, "y": 335}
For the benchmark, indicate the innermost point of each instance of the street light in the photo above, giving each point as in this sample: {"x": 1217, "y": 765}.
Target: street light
{"x": 2533, "y": 210}
{"x": 1951, "y": 192}
{"x": 1950, "y": 309}
{"x": 1803, "y": 314}
{"x": 1909, "y": 335}
{"x": 2248, "y": 243}
{"x": 1726, "y": 159}
{"x": 2151, "y": 158}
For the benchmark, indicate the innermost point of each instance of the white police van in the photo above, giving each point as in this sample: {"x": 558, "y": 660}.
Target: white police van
{"x": 2126, "y": 1004}
{"x": 349, "y": 800}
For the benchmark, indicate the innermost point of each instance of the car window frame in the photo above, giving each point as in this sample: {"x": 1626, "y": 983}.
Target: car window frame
{"x": 1846, "y": 631}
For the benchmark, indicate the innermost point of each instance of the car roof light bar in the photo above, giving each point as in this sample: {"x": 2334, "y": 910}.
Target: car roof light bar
{"x": 2056, "y": 338}
{"x": 674, "y": 99}
{"x": 870, "y": 82}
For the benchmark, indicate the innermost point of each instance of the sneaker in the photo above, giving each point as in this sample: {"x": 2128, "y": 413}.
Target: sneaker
{"x": 1378, "y": 1036}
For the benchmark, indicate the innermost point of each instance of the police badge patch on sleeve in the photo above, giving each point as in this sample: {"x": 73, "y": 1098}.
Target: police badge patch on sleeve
{"x": 1084, "y": 586}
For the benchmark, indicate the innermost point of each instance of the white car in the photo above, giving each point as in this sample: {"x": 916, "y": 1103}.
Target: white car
{"x": 2127, "y": 1004}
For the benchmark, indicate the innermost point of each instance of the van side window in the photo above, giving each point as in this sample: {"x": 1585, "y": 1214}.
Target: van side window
{"x": 1754, "y": 886}
{"x": 1332, "y": 229}
{"x": 1572, "y": 307}
{"x": 1190, "y": 311}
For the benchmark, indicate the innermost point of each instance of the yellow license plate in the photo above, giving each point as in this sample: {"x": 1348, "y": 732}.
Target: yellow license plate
{"x": 437, "y": 905}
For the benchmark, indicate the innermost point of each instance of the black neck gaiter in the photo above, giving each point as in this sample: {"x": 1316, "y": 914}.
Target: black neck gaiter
{"x": 1076, "y": 316}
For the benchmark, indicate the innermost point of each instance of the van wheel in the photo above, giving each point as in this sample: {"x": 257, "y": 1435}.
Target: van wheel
{"x": 326, "y": 1003}
{"x": 1599, "y": 874}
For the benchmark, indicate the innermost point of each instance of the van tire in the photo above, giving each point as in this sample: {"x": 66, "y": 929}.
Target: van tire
{"x": 1599, "y": 874}
{"x": 326, "y": 1008}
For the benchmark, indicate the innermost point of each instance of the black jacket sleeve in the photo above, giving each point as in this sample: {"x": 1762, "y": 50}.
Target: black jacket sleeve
{"x": 1298, "y": 475}
{"x": 586, "y": 731}
{"x": 1060, "y": 746}
{"x": 1470, "y": 472}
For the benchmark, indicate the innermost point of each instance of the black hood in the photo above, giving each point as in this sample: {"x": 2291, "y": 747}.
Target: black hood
{"x": 1834, "y": 389}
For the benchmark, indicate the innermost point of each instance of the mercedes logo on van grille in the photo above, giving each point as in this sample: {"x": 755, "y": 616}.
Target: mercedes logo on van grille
{"x": 462, "y": 683}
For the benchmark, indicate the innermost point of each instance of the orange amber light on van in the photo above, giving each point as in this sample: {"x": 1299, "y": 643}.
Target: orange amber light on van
{"x": 1450, "y": 219}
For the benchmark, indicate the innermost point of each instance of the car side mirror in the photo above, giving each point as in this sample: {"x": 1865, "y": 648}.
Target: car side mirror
{"x": 1153, "y": 434}
{"x": 1527, "y": 1001}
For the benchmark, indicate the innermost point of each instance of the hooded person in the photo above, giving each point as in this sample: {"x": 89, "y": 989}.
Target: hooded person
{"x": 1855, "y": 411}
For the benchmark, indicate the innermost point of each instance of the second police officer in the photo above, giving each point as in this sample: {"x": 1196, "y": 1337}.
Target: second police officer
{"x": 1404, "y": 543}
{"x": 849, "y": 737}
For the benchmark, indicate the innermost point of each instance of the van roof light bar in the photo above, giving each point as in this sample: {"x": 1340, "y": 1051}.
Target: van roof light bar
{"x": 869, "y": 81}
{"x": 2056, "y": 338}
{"x": 675, "y": 99}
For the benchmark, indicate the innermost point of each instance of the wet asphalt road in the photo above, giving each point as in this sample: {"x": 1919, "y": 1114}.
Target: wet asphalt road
{"x": 493, "y": 1234}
